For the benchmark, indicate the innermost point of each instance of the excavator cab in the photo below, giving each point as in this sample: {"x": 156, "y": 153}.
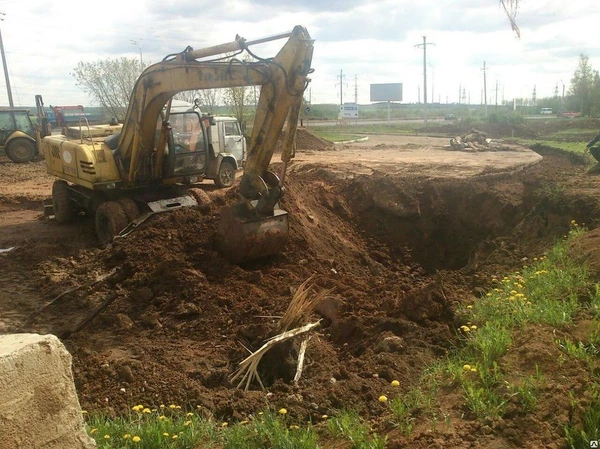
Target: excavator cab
{"x": 188, "y": 151}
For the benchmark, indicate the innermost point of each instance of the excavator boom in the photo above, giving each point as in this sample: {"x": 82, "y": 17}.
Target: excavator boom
{"x": 256, "y": 226}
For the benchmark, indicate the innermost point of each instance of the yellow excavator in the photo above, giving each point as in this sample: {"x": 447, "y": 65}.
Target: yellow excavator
{"x": 142, "y": 169}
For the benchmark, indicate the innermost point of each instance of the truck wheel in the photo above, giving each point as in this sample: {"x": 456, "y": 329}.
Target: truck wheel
{"x": 21, "y": 150}
{"x": 110, "y": 220}
{"x": 131, "y": 209}
{"x": 226, "y": 175}
{"x": 63, "y": 210}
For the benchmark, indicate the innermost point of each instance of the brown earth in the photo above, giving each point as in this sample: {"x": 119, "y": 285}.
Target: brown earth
{"x": 401, "y": 229}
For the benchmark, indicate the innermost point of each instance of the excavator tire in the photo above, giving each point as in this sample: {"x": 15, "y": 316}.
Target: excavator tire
{"x": 131, "y": 209}
{"x": 226, "y": 175}
{"x": 202, "y": 198}
{"x": 21, "y": 150}
{"x": 110, "y": 220}
{"x": 63, "y": 212}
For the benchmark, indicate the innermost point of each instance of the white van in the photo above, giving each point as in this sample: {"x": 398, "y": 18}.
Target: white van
{"x": 546, "y": 111}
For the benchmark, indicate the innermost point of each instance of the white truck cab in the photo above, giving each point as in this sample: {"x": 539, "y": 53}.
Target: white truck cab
{"x": 224, "y": 150}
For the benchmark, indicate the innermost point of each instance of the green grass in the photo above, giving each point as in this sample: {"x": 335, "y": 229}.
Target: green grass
{"x": 573, "y": 147}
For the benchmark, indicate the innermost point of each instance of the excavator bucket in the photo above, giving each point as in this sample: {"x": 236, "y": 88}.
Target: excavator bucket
{"x": 243, "y": 236}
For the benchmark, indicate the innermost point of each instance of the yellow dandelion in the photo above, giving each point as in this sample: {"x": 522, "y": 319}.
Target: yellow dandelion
{"x": 126, "y": 436}
{"x": 146, "y": 410}
{"x": 470, "y": 307}
{"x": 137, "y": 408}
{"x": 187, "y": 423}
{"x": 324, "y": 416}
{"x": 467, "y": 367}
{"x": 294, "y": 427}
{"x": 224, "y": 424}
{"x": 174, "y": 437}
{"x": 244, "y": 422}
{"x": 136, "y": 439}
{"x": 474, "y": 327}
{"x": 93, "y": 430}
{"x": 172, "y": 406}
{"x": 162, "y": 405}
{"x": 383, "y": 398}
{"x": 178, "y": 407}
{"x": 466, "y": 329}
{"x": 189, "y": 414}
{"x": 473, "y": 370}
{"x": 83, "y": 412}
{"x": 165, "y": 434}
{"x": 283, "y": 411}
{"x": 107, "y": 437}
{"x": 395, "y": 383}
{"x": 162, "y": 418}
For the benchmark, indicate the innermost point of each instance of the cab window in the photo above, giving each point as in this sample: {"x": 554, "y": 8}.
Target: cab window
{"x": 23, "y": 123}
{"x": 6, "y": 121}
{"x": 232, "y": 129}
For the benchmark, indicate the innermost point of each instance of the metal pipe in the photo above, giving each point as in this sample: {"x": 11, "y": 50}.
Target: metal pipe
{"x": 239, "y": 44}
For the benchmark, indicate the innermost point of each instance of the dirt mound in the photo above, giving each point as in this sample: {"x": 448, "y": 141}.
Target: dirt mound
{"x": 306, "y": 141}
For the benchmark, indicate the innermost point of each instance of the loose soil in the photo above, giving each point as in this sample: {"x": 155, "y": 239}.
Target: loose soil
{"x": 401, "y": 229}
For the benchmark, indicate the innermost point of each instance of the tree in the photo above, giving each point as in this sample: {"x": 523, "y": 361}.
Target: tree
{"x": 582, "y": 84}
{"x": 109, "y": 82}
{"x": 237, "y": 98}
{"x": 510, "y": 8}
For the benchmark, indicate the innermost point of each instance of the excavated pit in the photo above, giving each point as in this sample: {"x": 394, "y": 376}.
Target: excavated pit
{"x": 398, "y": 253}
{"x": 401, "y": 248}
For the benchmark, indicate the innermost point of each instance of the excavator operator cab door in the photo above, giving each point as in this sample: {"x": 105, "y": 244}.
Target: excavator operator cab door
{"x": 189, "y": 147}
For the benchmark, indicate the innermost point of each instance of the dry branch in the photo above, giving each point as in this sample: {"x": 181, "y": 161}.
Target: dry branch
{"x": 247, "y": 369}
{"x": 301, "y": 353}
{"x": 301, "y": 305}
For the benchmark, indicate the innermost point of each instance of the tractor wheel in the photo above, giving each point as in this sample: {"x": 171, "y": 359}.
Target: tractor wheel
{"x": 131, "y": 209}
{"x": 110, "y": 220}
{"x": 61, "y": 203}
{"x": 21, "y": 150}
{"x": 226, "y": 175}
{"x": 201, "y": 198}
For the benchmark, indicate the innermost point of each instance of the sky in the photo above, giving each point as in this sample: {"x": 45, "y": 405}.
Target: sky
{"x": 357, "y": 43}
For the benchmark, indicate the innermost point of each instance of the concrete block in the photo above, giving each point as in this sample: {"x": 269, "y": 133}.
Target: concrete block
{"x": 39, "y": 407}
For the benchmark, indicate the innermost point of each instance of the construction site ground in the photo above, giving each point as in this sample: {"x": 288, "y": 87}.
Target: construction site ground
{"x": 400, "y": 228}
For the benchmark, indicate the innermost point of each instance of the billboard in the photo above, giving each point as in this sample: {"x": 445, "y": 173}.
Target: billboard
{"x": 386, "y": 92}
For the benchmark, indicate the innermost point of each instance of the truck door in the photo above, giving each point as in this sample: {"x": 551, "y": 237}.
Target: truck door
{"x": 234, "y": 141}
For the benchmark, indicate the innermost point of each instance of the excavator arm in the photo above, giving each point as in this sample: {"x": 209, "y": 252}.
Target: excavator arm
{"x": 282, "y": 80}
{"x": 256, "y": 226}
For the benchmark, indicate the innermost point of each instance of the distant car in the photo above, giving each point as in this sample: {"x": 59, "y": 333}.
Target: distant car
{"x": 450, "y": 117}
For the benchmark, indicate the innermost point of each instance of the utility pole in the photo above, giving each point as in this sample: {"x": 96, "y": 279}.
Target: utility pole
{"x": 341, "y": 87}
{"x": 136, "y": 43}
{"x": 8, "y": 89}
{"x": 459, "y": 92}
{"x": 424, "y": 45}
{"x": 485, "y": 89}
{"x": 496, "y": 94}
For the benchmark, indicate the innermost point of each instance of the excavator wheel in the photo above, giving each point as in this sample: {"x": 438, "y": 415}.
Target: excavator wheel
{"x": 131, "y": 209}
{"x": 226, "y": 175}
{"x": 21, "y": 150}
{"x": 110, "y": 220}
{"x": 201, "y": 198}
{"x": 61, "y": 204}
